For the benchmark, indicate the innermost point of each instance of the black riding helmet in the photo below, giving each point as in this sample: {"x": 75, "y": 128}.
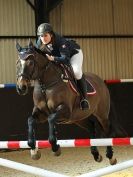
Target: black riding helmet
{"x": 44, "y": 28}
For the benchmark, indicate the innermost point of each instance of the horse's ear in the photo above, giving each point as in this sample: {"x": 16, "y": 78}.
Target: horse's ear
{"x": 18, "y": 47}
{"x": 30, "y": 44}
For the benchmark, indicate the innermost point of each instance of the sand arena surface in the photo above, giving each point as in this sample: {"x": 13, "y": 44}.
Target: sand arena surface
{"x": 72, "y": 161}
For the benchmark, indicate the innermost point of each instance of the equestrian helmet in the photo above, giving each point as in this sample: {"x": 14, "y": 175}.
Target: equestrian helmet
{"x": 44, "y": 28}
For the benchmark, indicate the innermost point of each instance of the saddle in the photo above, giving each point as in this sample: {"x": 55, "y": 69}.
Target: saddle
{"x": 68, "y": 76}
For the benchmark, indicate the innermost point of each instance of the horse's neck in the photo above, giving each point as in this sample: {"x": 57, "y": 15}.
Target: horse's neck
{"x": 48, "y": 71}
{"x": 42, "y": 61}
{"x": 53, "y": 73}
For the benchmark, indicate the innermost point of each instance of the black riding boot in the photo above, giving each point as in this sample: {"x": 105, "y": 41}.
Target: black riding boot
{"x": 84, "y": 104}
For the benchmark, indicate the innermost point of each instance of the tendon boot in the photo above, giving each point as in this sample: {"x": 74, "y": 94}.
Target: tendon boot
{"x": 84, "y": 104}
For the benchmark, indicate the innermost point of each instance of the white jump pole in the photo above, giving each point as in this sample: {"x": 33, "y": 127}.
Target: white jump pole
{"x": 29, "y": 169}
{"x": 109, "y": 170}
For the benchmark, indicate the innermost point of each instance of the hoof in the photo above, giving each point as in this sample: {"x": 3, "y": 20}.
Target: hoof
{"x": 100, "y": 158}
{"x": 58, "y": 152}
{"x": 113, "y": 161}
{"x": 35, "y": 154}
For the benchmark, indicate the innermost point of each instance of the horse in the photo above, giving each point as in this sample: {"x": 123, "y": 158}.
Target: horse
{"x": 56, "y": 102}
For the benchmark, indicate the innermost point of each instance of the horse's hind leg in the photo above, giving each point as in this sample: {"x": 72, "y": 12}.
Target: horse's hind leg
{"x": 109, "y": 150}
{"x": 90, "y": 125}
{"x": 92, "y": 134}
{"x": 109, "y": 155}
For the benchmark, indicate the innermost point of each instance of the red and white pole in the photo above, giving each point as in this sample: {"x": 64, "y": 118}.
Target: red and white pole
{"x": 114, "y": 81}
{"x": 69, "y": 143}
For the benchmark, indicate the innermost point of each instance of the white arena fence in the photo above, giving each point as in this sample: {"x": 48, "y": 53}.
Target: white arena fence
{"x": 46, "y": 173}
{"x": 28, "y": 168}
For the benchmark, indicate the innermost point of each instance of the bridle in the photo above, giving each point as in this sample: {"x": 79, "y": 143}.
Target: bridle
{"x": 27, "y": 77}
{"x": 24, "y": 56}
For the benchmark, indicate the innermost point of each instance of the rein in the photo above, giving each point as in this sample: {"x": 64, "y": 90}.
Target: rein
{"x": 44, "y": 86}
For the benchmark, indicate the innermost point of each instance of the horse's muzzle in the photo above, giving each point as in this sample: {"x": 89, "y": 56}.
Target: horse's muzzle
{"x": 22, "y": 89}
{"x": 22, "y": 85}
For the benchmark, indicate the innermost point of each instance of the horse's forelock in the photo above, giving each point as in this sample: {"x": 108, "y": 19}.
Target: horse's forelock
{"x": 26, "y": 52}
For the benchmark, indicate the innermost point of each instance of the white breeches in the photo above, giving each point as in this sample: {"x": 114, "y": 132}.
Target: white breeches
{"x": 76, "y": 63}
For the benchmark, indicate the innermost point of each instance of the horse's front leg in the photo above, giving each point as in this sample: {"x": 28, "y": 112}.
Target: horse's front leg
{"x": 52, "y": 135}
{"x": 31, "y": 132}
{"x": 35, "y": 154}
{"x": 62, "y": 111}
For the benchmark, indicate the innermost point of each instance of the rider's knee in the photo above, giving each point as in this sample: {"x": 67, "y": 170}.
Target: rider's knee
{"x": 77, "y": 72}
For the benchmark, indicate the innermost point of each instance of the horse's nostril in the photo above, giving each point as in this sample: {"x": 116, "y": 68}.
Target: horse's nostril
{"x": 23, "y": 88}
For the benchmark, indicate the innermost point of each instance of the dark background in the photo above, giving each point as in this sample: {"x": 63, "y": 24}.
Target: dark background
{"x": 15, "y": 110}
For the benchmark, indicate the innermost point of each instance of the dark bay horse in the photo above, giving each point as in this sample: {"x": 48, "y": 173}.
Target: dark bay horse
{"x": 55, "y": 102}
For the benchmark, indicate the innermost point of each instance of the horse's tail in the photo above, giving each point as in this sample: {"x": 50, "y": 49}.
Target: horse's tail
{"x": 116, "y": 130}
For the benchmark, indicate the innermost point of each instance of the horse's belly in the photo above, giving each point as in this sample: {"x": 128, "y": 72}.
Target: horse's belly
{"x": 75, "y": 116}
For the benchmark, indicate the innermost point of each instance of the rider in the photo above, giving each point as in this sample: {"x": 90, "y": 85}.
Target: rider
{"x": 64, "y": 51}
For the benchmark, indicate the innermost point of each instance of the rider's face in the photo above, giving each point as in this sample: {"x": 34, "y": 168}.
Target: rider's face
{"x": 46, "y": 38}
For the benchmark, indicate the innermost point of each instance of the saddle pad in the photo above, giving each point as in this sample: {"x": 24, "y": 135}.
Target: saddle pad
{"x": 90, "y": 89}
